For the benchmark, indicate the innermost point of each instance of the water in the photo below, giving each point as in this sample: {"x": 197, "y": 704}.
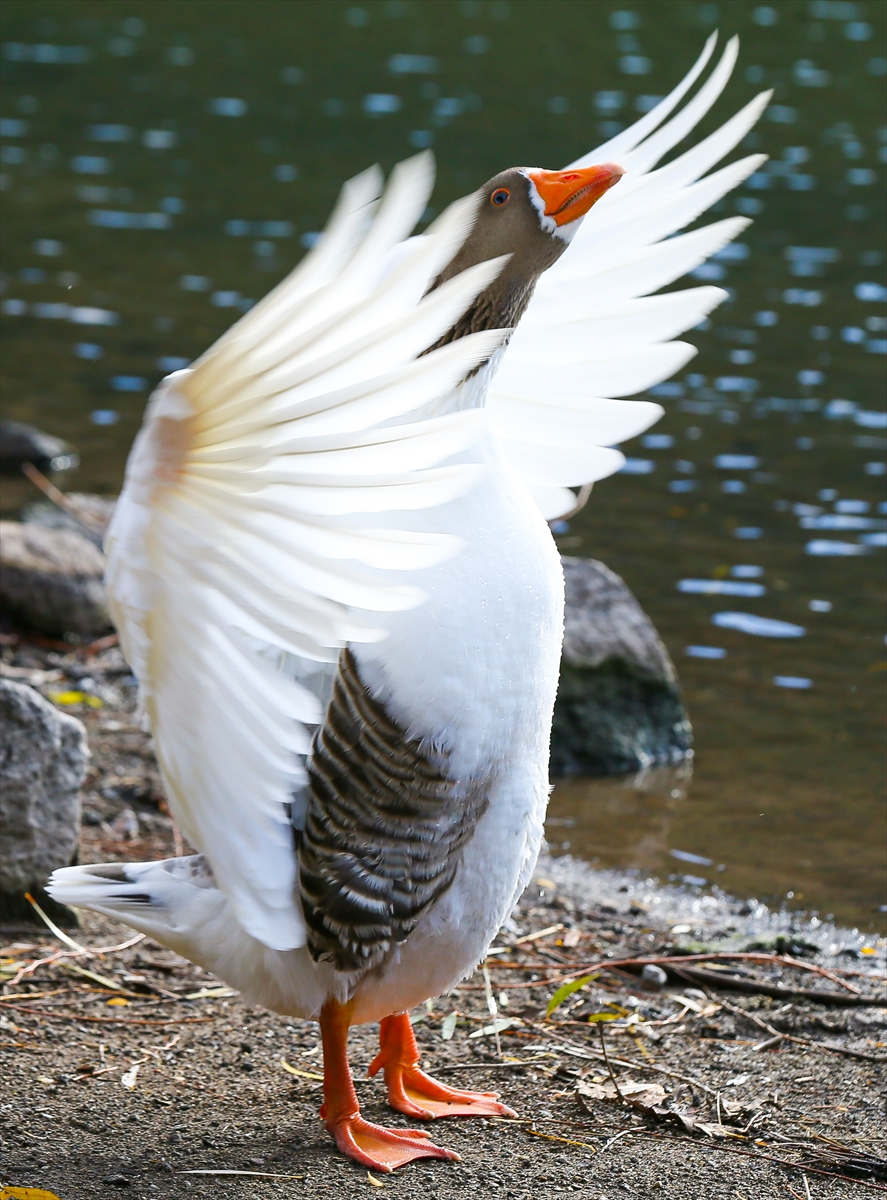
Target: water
{"x": 163, "y": 165}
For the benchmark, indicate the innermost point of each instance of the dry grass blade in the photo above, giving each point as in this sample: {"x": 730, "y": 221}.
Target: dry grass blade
{"x": 78, "y": 951}
{"x": 600, "y": 1030}
{"x": 51, "y": 926}
{"x": 553, "y": 1137}
{"x": 255, "y": 1174}
{"x": 62, "y": 501}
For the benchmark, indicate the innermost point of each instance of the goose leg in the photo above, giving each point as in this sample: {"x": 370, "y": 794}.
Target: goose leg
{"x": 373, "y": 1146}
{"x": 416, "y": 1094}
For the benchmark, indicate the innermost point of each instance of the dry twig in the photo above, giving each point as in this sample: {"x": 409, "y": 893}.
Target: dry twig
{"x": 776, "y": 1035}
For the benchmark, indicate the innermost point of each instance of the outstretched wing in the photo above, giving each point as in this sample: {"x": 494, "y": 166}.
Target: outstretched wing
{"x": 593, "y": 331}
{"x": 245, "y": 531}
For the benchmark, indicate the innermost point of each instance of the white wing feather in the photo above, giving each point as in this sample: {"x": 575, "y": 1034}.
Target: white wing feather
{"x": 593, "y": 329}
{"x": 242, "y": 534}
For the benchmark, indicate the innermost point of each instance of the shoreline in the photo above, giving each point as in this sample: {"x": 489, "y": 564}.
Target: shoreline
{"x": 133, "y": 1068}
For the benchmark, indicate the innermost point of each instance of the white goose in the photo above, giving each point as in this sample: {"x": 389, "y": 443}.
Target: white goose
{"x": 332, "y": 575}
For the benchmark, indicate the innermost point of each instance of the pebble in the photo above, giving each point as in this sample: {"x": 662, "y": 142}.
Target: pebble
{"x": 654, "y": 978}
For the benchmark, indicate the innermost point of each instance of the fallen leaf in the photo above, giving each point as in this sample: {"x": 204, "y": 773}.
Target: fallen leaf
{"x": 491, "y": 1030}
{"x": 72, "y": 697}
{"x": 713, "y": 1129}
{"x": 739, "y": 1108}
{"x": 683, "y": 1115}
{"x": 566, "y": 990}
{"x": 26, "y": 1193}
{"x": 649, "y": 1098}
{"x": 448, "y": 1026}
{"x": 641, "y": 1095}
{"x": 571, "y": 939}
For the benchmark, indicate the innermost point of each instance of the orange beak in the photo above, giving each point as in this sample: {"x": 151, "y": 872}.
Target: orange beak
{"x": 568, "y": 195}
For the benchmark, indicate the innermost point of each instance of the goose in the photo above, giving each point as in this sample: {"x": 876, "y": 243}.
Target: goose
{"x": 333, "y": 577}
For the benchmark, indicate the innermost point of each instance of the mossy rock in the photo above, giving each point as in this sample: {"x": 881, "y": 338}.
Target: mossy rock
{"x": 613, "y": 719}
{"x": 619, "y": 706}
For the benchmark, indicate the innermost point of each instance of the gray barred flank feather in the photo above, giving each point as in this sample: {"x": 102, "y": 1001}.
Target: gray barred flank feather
{"x": 384, "y": 829}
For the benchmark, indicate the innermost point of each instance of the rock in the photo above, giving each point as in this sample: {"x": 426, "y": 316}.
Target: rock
{"x": 42, "y": 765}
{"x": 619, "y": 707}
{"x": 53, "y": 579}
{"x": 95, "y": 511}
{"x": 653, "y": 978}
{"x": 21, "y": 443}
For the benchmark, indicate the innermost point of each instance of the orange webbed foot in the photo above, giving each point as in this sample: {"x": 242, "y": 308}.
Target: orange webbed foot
{"x": 418, "y": 1095}
{"x": 415, "y": 1094}
{"x": 381, "y": 1149}
{"x": 373, "y": 1146}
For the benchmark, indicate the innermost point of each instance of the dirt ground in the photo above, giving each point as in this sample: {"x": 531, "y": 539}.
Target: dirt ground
{"x": 147, "y": 1078}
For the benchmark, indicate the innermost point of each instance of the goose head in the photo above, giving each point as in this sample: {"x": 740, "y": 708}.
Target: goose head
{"x": 530, "y": 215}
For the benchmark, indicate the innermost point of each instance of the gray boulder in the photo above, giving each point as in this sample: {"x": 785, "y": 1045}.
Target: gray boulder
{"x": 619, "y": 706}
{"x": 86, "y": 514}
{"x": 43, "y": 756}
{"x": 53, "y": 579}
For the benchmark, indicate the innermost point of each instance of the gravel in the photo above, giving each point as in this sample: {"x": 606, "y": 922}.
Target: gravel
{"x": 211, "y": 1093}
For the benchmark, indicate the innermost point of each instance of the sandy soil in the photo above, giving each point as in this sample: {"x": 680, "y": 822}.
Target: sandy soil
{"x": 211, "y": 1092}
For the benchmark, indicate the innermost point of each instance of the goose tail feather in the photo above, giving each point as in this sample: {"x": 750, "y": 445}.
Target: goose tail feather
{"x": 176, "y": 902}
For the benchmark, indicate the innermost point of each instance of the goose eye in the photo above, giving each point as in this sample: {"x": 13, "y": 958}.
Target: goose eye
{"x": 500, "y": 197}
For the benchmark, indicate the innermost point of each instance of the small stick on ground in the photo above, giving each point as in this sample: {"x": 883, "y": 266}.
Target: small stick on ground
{"x": 775, "y": 1035}
{"x": 672, "y": 960}
{"x": 492, "y": 1007}
{"x": 607, "y": 1061}
{"x": 58, "y": 498}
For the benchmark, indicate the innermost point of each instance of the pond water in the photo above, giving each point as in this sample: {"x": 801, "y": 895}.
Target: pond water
{"x": 164, "y": 164}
